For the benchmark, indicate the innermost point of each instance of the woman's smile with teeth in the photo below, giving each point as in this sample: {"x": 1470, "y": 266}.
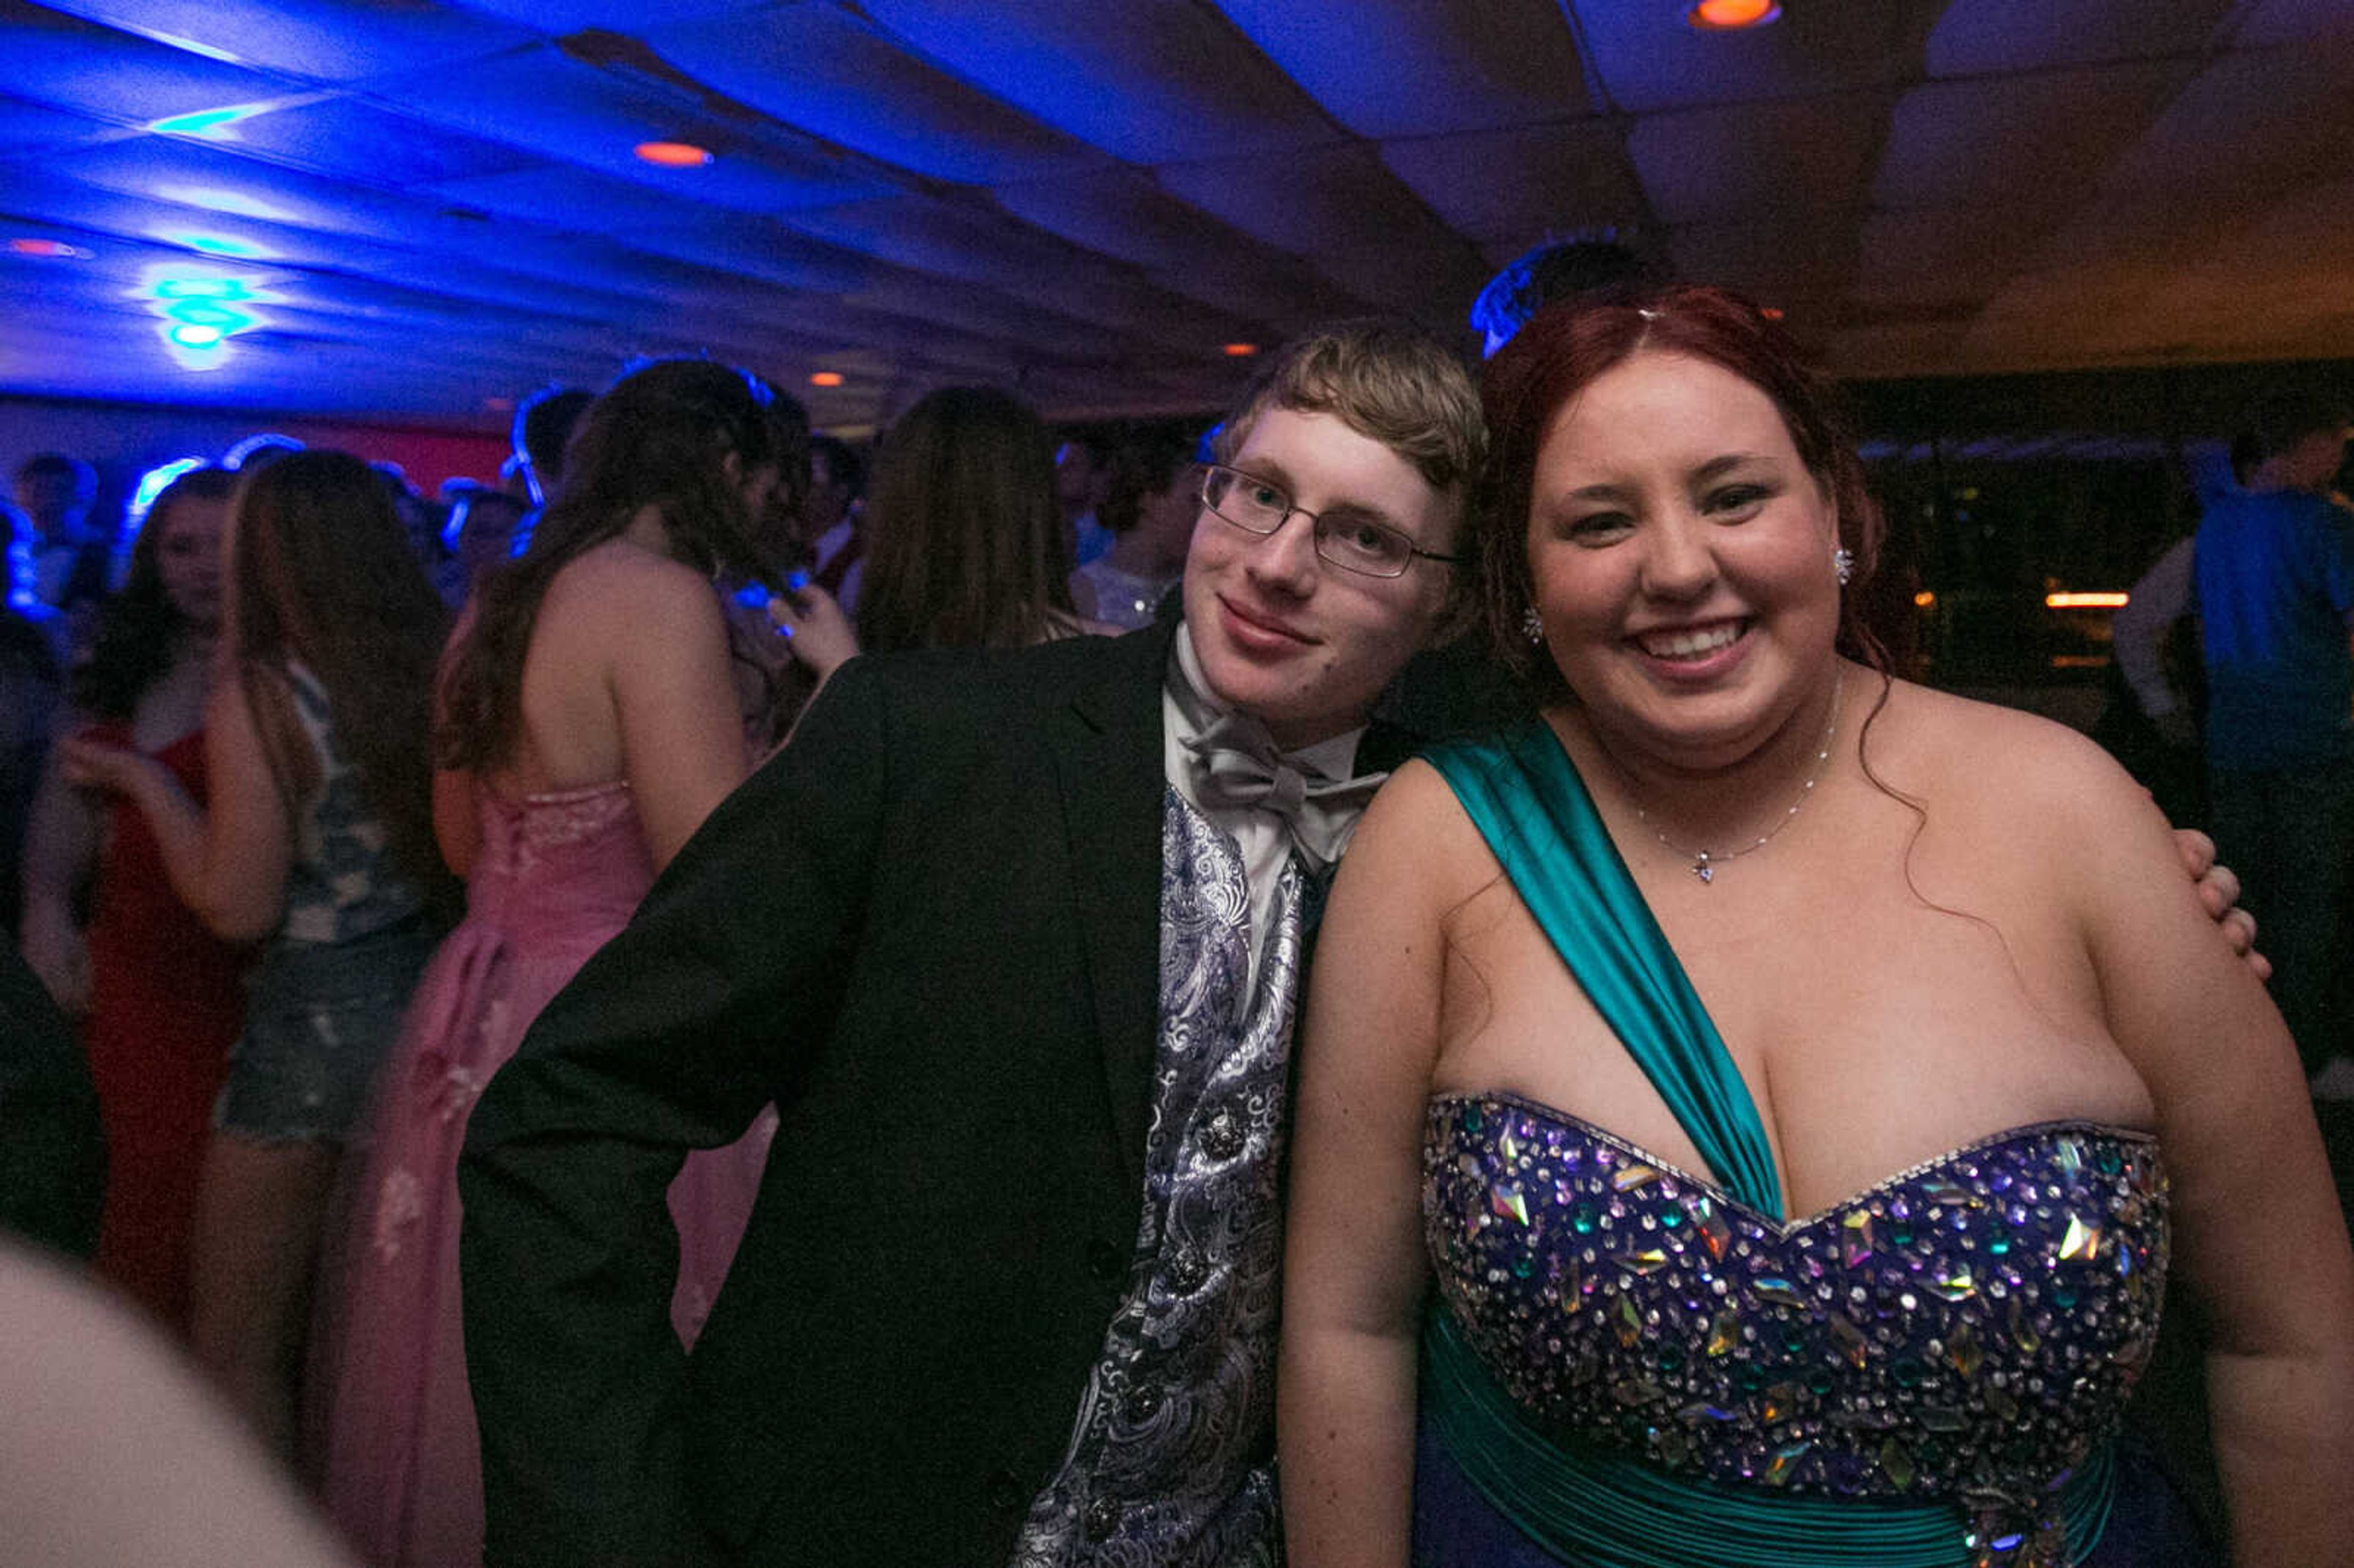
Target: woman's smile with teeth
{"x": 1690, "y": 641}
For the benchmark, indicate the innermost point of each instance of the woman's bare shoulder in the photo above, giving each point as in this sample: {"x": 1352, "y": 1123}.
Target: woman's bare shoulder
{"x": 2013, "y": 778}
{"x": 620, "y": 565}
{"x": 617, "y": 590}
{"x": 1985, "y": 748}
{"x": 1415, "y": 828}
{"x": 1416, "y": 798}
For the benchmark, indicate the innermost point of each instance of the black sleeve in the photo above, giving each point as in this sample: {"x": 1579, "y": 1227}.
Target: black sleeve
{"x": 673, "y": 1037}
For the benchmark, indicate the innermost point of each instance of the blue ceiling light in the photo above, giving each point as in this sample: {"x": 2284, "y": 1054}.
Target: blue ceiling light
{"x": 216, "y": 245}
{"x": 211, "y": 125}
{"x": 196, "y": 348}
{"x": 215, "y": 318}
{"x": 200, "y": 312}
{"x": 173, "y": 40}
{"x": 191, "y": 288}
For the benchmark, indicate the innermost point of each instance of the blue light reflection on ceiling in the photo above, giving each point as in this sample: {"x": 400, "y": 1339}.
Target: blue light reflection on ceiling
{"x": 194, "y": 48}
{"x": 216, "y": 245}
{"x": 237, "y": 204}
{"x": 201, "y": 311}
{"x": 211, "y": 125}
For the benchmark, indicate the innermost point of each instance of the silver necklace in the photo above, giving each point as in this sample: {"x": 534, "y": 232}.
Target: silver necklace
{"x": 1705, "y": 862}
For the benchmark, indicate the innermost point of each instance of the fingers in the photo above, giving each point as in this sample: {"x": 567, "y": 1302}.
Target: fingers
{"x": 800, "y": 604}
{"x": 2197, "y": 850}
{"x": 2240, "y": 930}
{"x": 2219, "y": 890}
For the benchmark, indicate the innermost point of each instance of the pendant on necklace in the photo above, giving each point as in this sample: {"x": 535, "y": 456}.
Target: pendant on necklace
{"x": 1701, "y": 869}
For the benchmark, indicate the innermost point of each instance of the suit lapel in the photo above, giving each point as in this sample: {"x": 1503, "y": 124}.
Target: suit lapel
{"x": 1107, "y": 759}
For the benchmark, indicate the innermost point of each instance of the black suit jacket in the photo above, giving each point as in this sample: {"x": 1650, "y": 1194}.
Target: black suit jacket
{"x": 928, "y": 931}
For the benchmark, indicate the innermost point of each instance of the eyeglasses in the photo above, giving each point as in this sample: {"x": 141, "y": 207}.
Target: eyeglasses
{"x": 1360, "y": 545}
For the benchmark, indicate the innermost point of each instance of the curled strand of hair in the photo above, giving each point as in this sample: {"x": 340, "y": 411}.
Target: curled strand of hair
{"x": 1913, "y": 804}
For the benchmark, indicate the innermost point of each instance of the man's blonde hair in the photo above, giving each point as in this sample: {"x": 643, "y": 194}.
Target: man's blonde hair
{"x": 1390, "y": 382}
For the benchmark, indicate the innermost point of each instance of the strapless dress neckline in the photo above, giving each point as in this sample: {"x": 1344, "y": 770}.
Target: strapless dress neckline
{"x": 2088, "y": 1127}
{"x": 1969, "y": 1327}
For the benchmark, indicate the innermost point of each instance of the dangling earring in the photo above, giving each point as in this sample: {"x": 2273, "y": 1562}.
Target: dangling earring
{"x": 1531, "y": 625}
{"x": 1843, "y": 565}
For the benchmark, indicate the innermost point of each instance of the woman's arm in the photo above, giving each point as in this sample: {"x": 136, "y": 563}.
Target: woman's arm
{"x": 1353, "y": 1265}
{"x": 2259, "y": 1237}
{"x": 674, "y": 695}
{"x": 457, "y": 814}
{"x": 60, "y": 852}
{"x": 228, "y": 864}
{"x": 2164, "y": 594}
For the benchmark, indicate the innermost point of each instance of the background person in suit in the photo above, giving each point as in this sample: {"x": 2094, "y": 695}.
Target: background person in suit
{"x": 1009, "y": 1288}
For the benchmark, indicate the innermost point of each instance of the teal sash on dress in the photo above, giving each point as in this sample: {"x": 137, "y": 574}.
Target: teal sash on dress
{"x": 1522, "y": 793}
{"x": 1528, "y": 803}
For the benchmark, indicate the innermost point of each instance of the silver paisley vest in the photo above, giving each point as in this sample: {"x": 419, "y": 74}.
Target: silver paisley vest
{"x": 1171, "y": 1458}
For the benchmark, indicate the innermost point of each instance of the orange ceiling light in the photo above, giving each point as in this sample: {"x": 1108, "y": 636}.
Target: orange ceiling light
{"x": 825, "y": 379}
{"x": 1731, "y": 15}
{"x": 2084, "y": 600}
{"x": 1772, "y": 312}
{"x": 673, "y": 154}
{"x": 48, "y": 249}
{"x": 1239, "y": 350}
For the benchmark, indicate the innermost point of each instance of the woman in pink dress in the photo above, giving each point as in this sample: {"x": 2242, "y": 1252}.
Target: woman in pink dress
{"x": 588, "y": 724}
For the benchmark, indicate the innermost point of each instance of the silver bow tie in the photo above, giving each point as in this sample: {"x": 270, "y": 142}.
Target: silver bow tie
{"x": 1235, "y": 765}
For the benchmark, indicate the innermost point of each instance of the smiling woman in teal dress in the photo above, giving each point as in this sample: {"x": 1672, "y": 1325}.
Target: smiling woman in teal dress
{"x": 1748, "y": 1114}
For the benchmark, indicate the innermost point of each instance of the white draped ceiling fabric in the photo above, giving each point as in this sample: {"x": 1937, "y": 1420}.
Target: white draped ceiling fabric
{"x": 428, "y": 205}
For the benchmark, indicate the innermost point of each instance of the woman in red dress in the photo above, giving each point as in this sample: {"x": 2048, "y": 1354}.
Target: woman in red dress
{"x": 159, "y": 996}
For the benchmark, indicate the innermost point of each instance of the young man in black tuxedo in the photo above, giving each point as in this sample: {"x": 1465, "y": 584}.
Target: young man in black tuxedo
{"x": 1013, "y": 943}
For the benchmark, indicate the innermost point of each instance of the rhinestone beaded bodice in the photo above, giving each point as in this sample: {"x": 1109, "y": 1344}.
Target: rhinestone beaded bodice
{"x": 1965, "y": 1330}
